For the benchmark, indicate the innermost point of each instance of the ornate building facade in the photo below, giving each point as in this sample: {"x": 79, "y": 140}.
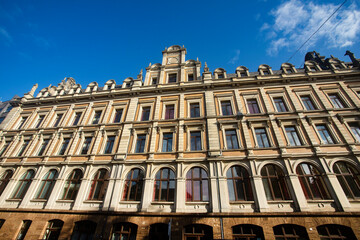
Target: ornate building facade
{"x": 272, "y": 154}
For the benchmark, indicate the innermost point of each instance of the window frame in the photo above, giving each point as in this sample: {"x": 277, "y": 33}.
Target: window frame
{"x": 141, "y": 112}
{"x": 57, "y": 121}
{"x": 96, "y": 119}
{"x": 340, "y": 99}
{"x": 135, "y": 133}
{"x": 299, "y": 134}
{"x": 23, "y": 184}
{"x": 61, "y": 151}
{"x": 170, "y": 192}
{"x": 128, "y": 185}
{"x": 114, "y": 115}
{"x": 203, "y": 197}
{"x": 22, "y": 148}
{"x": 23, "y": 230}
{"x": 280, "y": 181}
{"x": 74, "y": 178}
{"x": 330, "y": 132}
{"x": 47, "y": 183}
{"x": 106, "y": 142}
{"x": 6, "y": 176}
{"x": 52, "y": 230}
{"x": 231, "y": 128}
{"x": 353, "y": 174}
{"x": 191, "y": 102}
{"x": 171, "y": 74}
{"x": 267, "y": 133}
{"x": 356, "y": 136}
{"x": 99, "y": 184}
{"x": 305, "y": 180}
{"x": 74, "y": 121}
{"x": 41, "y": 149}
{"x": 284, "y": 101}
{"x": 244, "y": 181}
{"x": 172, "y": 141}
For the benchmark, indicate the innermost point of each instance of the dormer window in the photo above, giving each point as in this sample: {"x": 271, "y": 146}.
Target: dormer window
{"x": 243, "y": 74}
{"x": 128, "y": 85}
{"x": 337, "y": 66}
{"x": 266, "y": 72}
{"x": 288, "y": 70}
{"x": 312, "y": 69}
{"x": 154, "y": 81}
{"x": 172, "y": 78}
{"x": 220, "y": 75}
{"x": 191, "y": 77}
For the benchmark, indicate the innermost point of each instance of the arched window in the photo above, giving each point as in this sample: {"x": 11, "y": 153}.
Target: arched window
{"x": 274, "y": 183}
{"x": 72, "y": 185}
{"x": 53, "y": 230}
{"x": 99, "y": 185}
{"x": 84, "y": 230}
{"x": 124, "y": 231}
{"x": 198, "y": 232}
{"x": 5, "y": 178}
{"x": 164, "y": 189}
{"x": 290, "y": 232}
{"x": 312, "y": 182}
{"x": 247, "y": 232}
{"x": 133, "y": 185}
{"x": 23, "y": 184}
{"x": 47, "y": 185}
{"x": 159, "y": 231}
{"x": 334, "y": 231}
{"x": 239, "y": 184}
{"x": 349, "y": 179}
{"x": 197, "y": 187}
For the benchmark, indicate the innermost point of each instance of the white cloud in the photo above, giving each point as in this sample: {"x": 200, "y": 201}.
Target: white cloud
{"x": 295, "y": 21}
{"x": 235, "y": 58}
{"x": 5, "y": 35}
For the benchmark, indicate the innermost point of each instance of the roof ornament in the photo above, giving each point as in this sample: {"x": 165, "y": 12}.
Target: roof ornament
{"x": 140, "y": 75}
{"x": 32, "y": 91}
{"x": 197, "y": 59}
{"x": 149, "y": 64}
{"x": 206, "y": 68}
{"x": 355, "y": 61}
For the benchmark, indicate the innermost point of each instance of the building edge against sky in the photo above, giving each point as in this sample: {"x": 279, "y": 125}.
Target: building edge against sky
{"x": 267, "y": 154}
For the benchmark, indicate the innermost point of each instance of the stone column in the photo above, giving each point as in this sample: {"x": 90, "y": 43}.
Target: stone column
{"x": 212, "y": 128}
{"x": 12, "y": 145}
{"x": 81, "y": 195}
{"x": 118, "y": 187}
{"x": 125, "y": 138}
{"x": 214, "y": 194}
{"x": 148, "y": 188}
{"x": 110, "y": 189}
{"x": 180, "y": 189}
{"x": 266, "y": 101}
{"x": 65, "y": 121}
{"x": 258, "y": 189}
{"x": 87, "y": 113}
{"x": 106, "y": 113}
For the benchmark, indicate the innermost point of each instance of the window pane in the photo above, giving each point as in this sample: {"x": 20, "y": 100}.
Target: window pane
{"x": 226, "y": 108}
{"x": 118, "y": 115}
{"x": 309, "y": 105}
{"x": 280, "y": 104}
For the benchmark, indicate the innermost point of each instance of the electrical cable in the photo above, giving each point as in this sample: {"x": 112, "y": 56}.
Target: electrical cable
{"x": 316, "y": 31}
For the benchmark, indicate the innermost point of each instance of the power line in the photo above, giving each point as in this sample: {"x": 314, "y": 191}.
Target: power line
{"x": 316, "y": 30}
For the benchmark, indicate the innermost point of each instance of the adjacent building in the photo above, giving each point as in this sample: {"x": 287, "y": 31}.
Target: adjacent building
{"x": 193, "y": 154}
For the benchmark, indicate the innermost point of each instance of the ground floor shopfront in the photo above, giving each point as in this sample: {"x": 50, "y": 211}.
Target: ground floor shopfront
{"x": 21, "y": 224}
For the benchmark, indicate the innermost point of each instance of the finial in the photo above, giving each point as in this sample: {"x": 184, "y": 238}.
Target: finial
{"x": 197, "y": 59}
{"x": 206, "y": 69}
{"x": 140, "y": 75}
{"x": 183, "y": 46}
{"x": 149, "y": 64}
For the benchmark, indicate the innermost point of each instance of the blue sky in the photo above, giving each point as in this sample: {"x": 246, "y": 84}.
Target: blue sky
{"x": 45, "y": 41}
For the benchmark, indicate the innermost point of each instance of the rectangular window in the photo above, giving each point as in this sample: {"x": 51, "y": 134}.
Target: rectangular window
{"x": 195, "y": 141}
{"x": 109, "y": 145}
{"x": 226, "y": 108}
{"x": 145, "y": 116}
{"x": 324, "y": 134}
{"x": 266, "y": 72}
{"x": 118, "y": 115}
{"x": 169, "y": 112}
{"x": 39, "y": 121}
{"x": 140, "y": 143}
{"x": 96, "y": 118}
{"x": 86, "y": 145}
{"x": 288, "y": 70}
{"x": 154, "y": 81}
{"x": 243, "y": 74}
{"x": 261, "y": 137}
{"x": 355, "y": 130}
{"x": 23, "y": 148}
{"x": 191, "y": 77}
{"x": 231, "y": 139}
{"x": 64, "y": 146}
{"x": 4, "y": 148}
{"x": 308, "y": 103}
{"x": 293, "y": 136}
{"x": 76, "y": 118}
{"x": 253, "y": 106}
{"x": 23, "y": 230}
{"x": 1, "y": 119}
{"x": 58, "y": 119}
{"x": 220, "y": 75}
{"x": 43, "y": 147}
{"x": 280, "y": 104}
{"x": 22, "y": 122}
{"x": 336, "y": 100}
{"x": 172, "y": 78}
{"x": 313, "y": 69}
{"x": 194, "y": 110}
{"x": 167, "y": 142}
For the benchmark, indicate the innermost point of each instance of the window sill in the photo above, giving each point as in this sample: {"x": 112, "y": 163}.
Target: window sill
{"x": 162, "y": 203}
{"x": 65, "y": 201}
{"x": 280, "y": 201}
{"x": 13, "y": 200}
{"x": 129, "y": 202}
{"x": 197, "y": 203}
{"x": 320, "y": 200}
{"x": 38, "y": 200}
{"x": 93, "y": 201}
{"x": 241, "y": 202}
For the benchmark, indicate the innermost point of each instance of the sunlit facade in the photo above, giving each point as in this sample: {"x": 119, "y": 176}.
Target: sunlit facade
{"x": 201, "y": 155}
